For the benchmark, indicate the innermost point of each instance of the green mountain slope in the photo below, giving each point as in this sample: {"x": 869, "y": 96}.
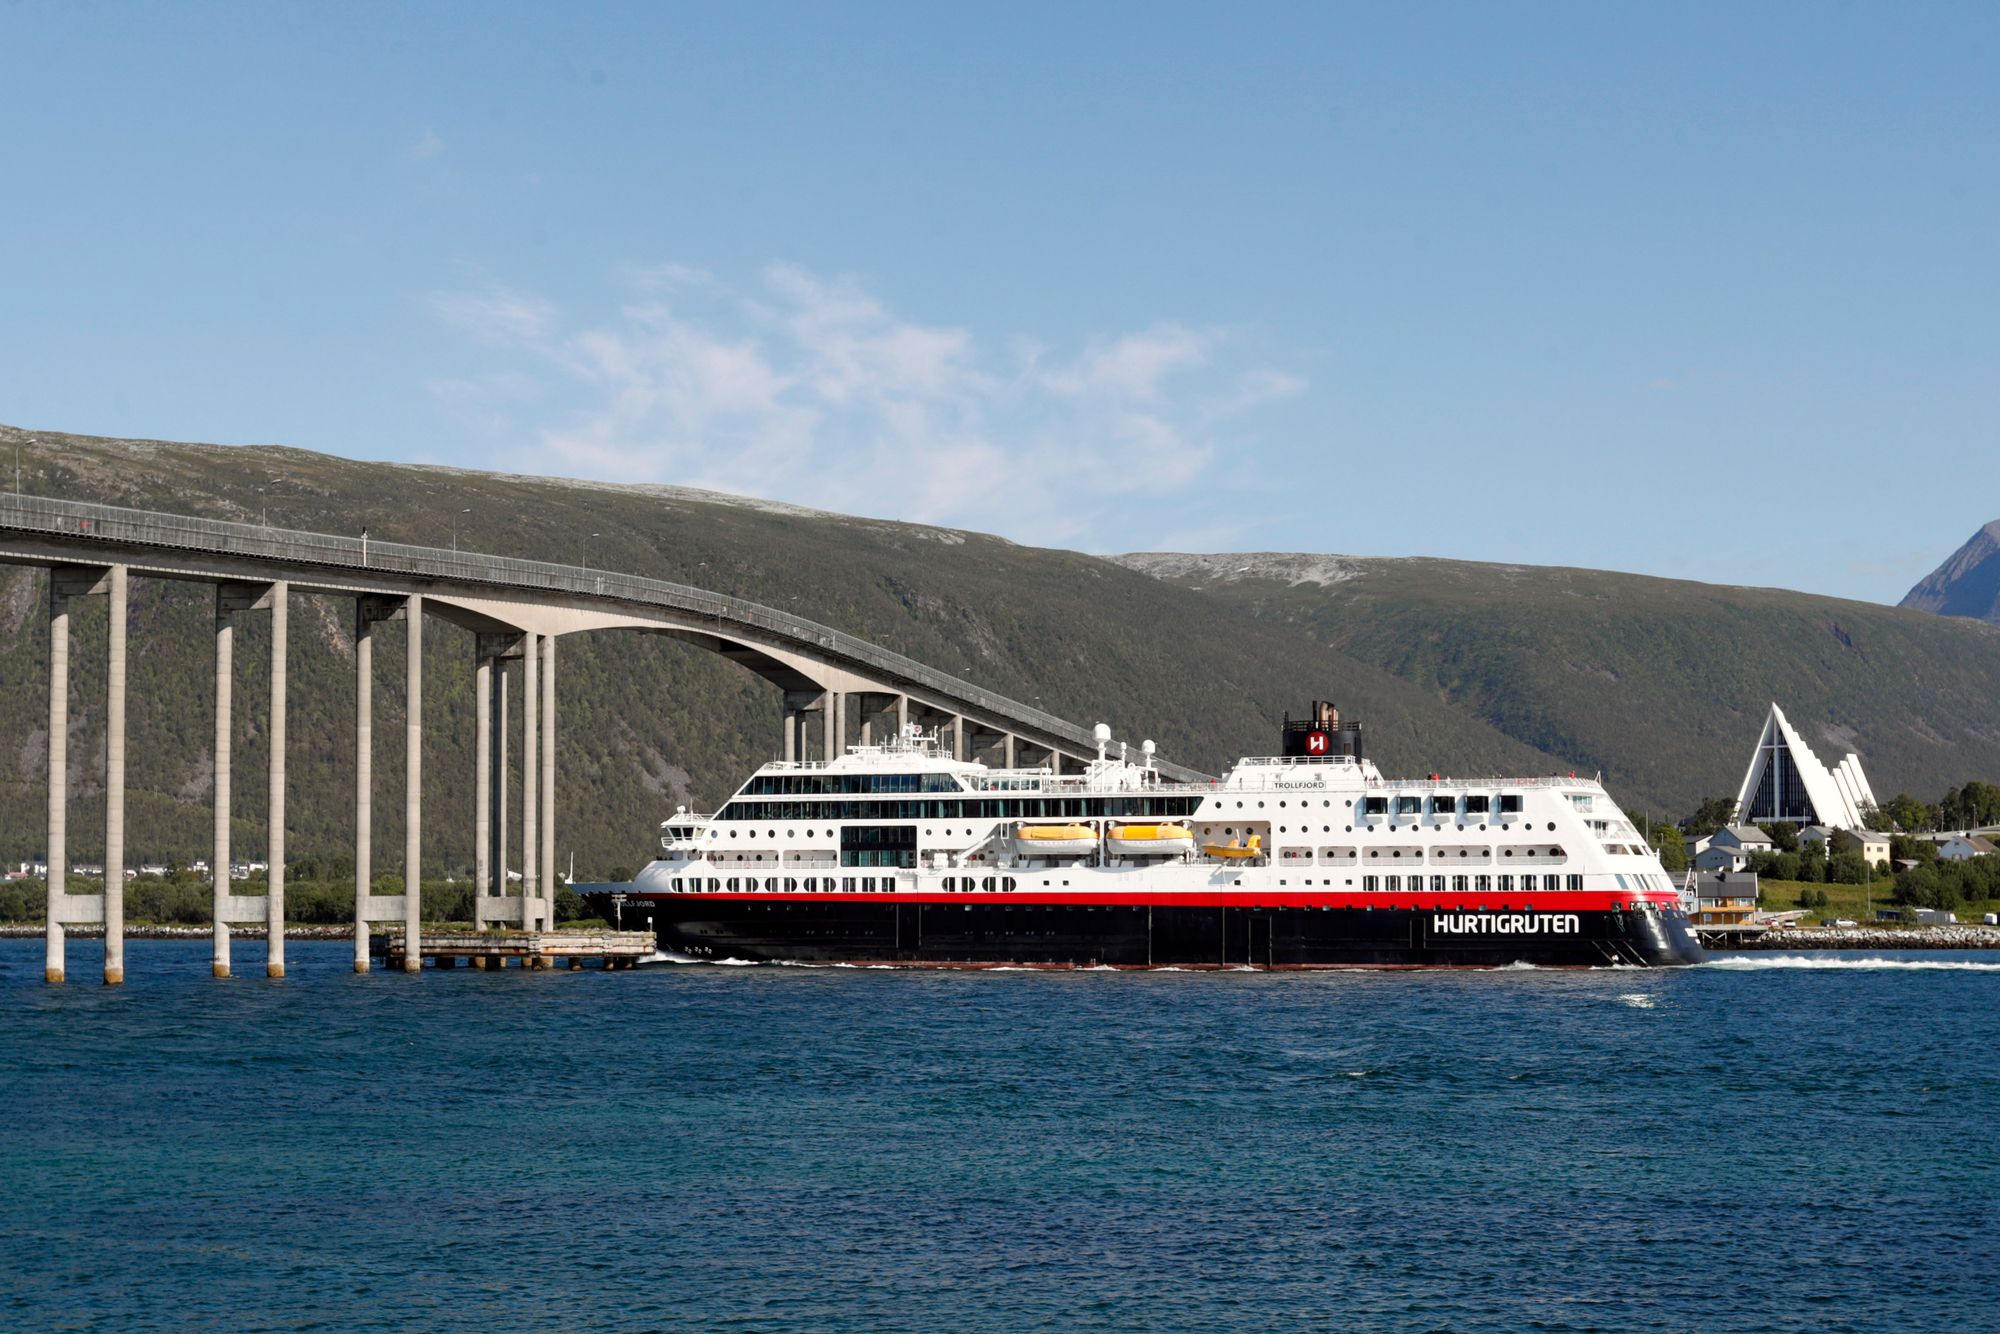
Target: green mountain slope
{"x": 1660, "y": 683}
{"x": 645, "y": 722}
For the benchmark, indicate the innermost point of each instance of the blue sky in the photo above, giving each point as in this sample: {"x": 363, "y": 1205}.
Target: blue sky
{"x": 1702, "y": 291}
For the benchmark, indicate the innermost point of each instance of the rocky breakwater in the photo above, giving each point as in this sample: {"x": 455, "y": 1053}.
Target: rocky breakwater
{"x": 1874, "y": 938}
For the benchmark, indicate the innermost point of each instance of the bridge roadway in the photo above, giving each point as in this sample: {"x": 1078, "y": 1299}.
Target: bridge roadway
{"x": 516, "y": 610}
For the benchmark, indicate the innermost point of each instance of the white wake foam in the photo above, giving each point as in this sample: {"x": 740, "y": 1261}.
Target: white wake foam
{"x": 1853, "y": 965}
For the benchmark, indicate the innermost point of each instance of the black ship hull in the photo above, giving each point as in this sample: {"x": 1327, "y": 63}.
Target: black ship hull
{"x": 1087, "y": 935}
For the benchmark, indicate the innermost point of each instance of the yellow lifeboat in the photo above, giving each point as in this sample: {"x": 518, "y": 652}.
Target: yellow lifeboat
{"x": 1054, "y": 840}
{"x": 1236, "y": 849}
{"x": 1151, "y": 840}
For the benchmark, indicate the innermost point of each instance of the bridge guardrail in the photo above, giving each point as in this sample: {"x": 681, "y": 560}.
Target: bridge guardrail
{"x": 175, "y": 532}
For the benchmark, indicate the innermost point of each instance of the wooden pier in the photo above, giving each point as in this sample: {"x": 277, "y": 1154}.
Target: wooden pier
{"x": 532, "y": 949}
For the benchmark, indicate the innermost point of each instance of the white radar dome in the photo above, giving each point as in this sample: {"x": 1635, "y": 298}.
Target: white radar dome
{"x": 1102, "y": 732}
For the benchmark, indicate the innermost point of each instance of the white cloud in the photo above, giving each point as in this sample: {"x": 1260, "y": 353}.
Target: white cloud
{"x": 496, "y": 314}
{"x": 812, "y": 390}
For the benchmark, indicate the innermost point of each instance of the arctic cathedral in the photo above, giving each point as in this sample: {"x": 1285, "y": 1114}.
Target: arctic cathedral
{"x": 1786, "y": 783}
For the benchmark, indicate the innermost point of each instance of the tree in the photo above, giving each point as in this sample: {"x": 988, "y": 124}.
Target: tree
{"x": 1711, "y": 815}
{"x": 1785, "y": 836}
{"x": 1908, "y": 814}
{"x": 1902, "y": 848}
{"x": 1812, "y": 861}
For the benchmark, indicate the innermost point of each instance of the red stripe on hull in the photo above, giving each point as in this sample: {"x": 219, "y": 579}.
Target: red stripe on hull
{"x": 1539, "y": 901}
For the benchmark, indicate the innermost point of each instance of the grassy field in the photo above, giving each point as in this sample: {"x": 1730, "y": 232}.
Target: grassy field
{"x": 1857, "y": 902}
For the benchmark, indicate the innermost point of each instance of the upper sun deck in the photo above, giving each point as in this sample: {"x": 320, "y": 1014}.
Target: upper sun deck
{"x": 918, "y": 763}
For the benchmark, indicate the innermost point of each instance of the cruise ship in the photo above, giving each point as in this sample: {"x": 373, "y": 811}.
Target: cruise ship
{"x": 899, "y": 854}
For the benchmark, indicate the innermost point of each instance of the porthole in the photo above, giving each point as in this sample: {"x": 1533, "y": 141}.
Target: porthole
{"x": 1552, "y": 826}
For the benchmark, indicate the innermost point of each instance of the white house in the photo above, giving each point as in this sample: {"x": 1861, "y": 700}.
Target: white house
{"x": 1964, "y": 847}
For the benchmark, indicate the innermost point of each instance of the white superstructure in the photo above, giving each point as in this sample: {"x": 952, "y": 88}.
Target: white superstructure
{"x": 905, "y": 818}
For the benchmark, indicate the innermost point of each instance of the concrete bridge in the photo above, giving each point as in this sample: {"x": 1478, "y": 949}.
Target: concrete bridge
{"x": 837, "y": 689}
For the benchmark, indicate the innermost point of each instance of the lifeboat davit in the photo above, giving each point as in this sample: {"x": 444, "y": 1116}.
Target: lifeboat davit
{"x": 1236, "y": 849}
{"x": 1055, "y": 840}
{"x": 1151, "y": 840}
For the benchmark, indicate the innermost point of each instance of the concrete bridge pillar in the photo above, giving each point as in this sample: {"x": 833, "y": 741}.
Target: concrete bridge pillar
{"x": 958, "y": 736}
{"x": 231, "y": 909}
{"x": 58, "y": 845}
{"x": 482, "y": 784}
{"x": 368, "y": 907}
{"x": 492, "y": 904}
{"x": 63, "y": 909}
{"x": 274, "y": 902}
{"x": 501, "y": 847}
{"x": 364, "y": 776}
{"x": 548, "y": 784}
{"x": 531, "y": 837}
{"x": 413, "y": 788}
{"x": 1007, "y": 747}
{"x": 902, "y": 716}
{"x": 798, "y": 706}
{"x": 225, "y": 670}
{"x": 114, "y": 785}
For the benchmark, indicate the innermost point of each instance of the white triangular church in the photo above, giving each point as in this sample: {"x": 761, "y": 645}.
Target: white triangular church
{"x": 1786, "y": 783}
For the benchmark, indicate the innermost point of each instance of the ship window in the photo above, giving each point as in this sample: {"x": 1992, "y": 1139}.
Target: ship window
{"x": 1506, "y": 884}
{"x": 1437, "y": 884}
{"x": 847, "y": 884}
{"x": 1409, "y": 805}
{"x": 1394, "y": 882}
{"x": 1576, "y": 881}
{"x": 1007, "y": 883}
{"x": 1475, "y": 805}
{"x": 1482, "y": 883}
{"x": 1444, "y": 807}
{"x": 1551, "y": 882}
{"x": 1460, "y": 883}
{"x": 1368, "y": 883}
{"x": 1510, "y": 803}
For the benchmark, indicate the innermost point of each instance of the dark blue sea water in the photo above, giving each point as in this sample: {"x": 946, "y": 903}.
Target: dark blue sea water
{"x": 1760, "y": 1144}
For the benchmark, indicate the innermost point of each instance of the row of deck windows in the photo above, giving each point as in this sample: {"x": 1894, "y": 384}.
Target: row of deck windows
{"x": 968, "y": 808}
{"x": 820, "y": 784}
{"x": 774, "y": 884}
{"x": 1444, "y": 805}
{"x": 1462, "y": 883}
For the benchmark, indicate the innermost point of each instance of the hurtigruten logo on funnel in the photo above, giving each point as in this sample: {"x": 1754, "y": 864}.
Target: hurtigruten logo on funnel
{"x": 1504, "y": 924}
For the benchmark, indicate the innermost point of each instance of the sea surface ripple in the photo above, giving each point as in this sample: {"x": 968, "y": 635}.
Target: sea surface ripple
{"x": 1763, "y": 1144}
